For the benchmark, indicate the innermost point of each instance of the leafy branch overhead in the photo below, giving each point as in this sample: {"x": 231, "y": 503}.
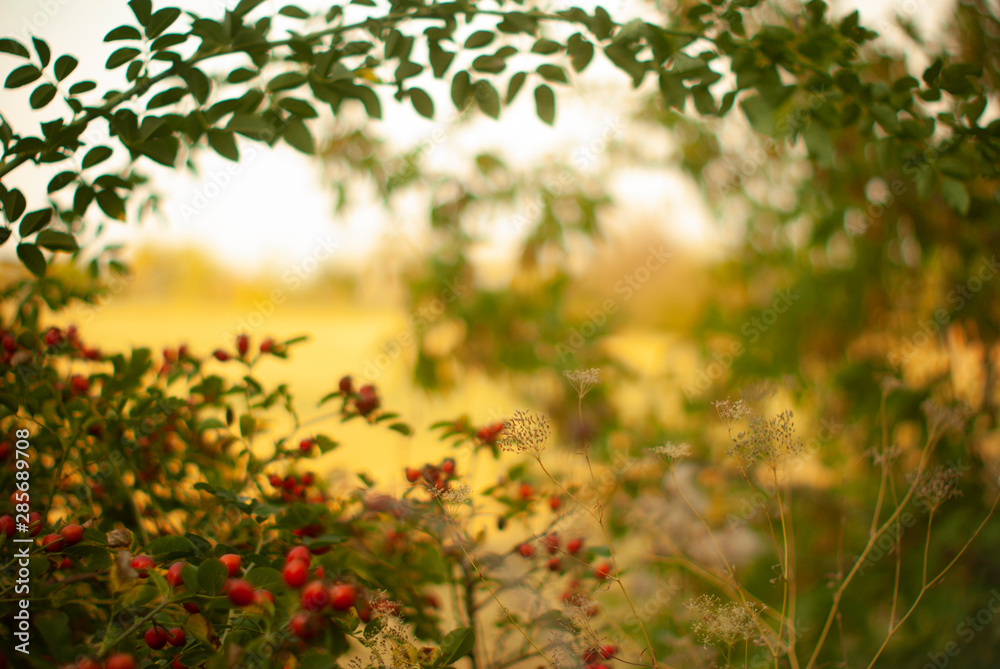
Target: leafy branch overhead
{"x": 168, "y": 61}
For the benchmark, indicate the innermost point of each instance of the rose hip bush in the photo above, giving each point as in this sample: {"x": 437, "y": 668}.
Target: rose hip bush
{"x": 162, "y": 536}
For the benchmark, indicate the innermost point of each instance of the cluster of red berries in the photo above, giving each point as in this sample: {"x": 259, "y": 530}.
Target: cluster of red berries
{"x": 490, "y": 433}
{"x": 56, "y": 341}
{"x": 366, "y": 399}
{"x": 592, "y": 657}
{"x": 433, "y": 476}
{"x": 68, "y": 535}
{"x": 157, "y": 637}
{"x": 8, "y": 526}
{"x": 296, "y": 488}
{"x": 243, "y": 348}
{"x": 116, "y": 661}
{"x": 316, "y": 595}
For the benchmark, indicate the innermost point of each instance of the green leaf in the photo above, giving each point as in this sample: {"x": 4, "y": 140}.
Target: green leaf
{"x": 121, "y": 56}
{"x": 198, "y": 83}
{"x": 32, "y": 258}
{"x": 263, "y": 577}
{"x": 488, "y": 98}
{"x": 298, "y": 107}
{"x": 14, "y": 48}
{"x": 96, "y": 155}
{"x": 42, "y": 96}
{"x": 224, "y": 143}
{"x": 402, "y": 428}
{"x": 514, "y": 86}
{"x": 479, "y": 39}
{"x": 545, "y": 46}
{"x": 167, "y": 97}
{"x": 461, "y": 89}
{"x": 298, "y": 136}
{"x": 553, "y": 73}
{"x": 141, "y": 9}
{"x": 60, "y": 181}
{"x": 123, "y": 33}
{"x": 82, "y": 87}
{"x": 580, "y": 52}
{"x": 368, "y": 97}
{"x": 35, "y": 221}
{"x": 14, "y": 205}
{"x": 249, "y": 125}
{"x": 211, "y": 576}
{"x": 54, "y": 240}
{"x": 246, "y": 6}
{"x": 169, "y": 544}
{"x": 111, "y": 204}
{"x": 294, "y": 12}
{"x": 545, "y": 103}
{"x": 4, "y": 235}
{"x": 955, "y": 194}
{"x": 421, "y": 102}
{"x": 64, "y": 66}
{"x": 286, "y": 81}
{"x": 456, "y": 644}
{"x": 43, "y": 51}
{"x": 22, "y": 76}
{"x": 161, "y": 20}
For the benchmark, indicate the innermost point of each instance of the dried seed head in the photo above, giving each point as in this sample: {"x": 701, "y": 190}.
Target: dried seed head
{"x": 942, "y": 419}
{"x": 732, "y": 412}
{"x": 936, "y": 487}
{"x": 724, "y": 623}
{"x": 525, "y": 432}
{"x": 672, "y": 452}
{"x": 770, "y": 440}
{"x": 583, "y": 379}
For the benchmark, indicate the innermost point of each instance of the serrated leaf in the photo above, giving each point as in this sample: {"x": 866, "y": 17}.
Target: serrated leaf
{"x": 211, "y": 576}
{"x": 64, "y": 66}
{"x": 32, "y": 258}
{"x": 54, "y": 240}
{"x": 35, "y": 221}
{"x": 545, "y": 103}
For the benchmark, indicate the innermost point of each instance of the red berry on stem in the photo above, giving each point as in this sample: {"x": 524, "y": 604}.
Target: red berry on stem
{"x": 191, "y": 607}
{"x": 176, "y": 637}
{"x": 343, "y": 596}
{"x": 295, "y": 573}
{"x": 526, "y": 550}
{"x": 240, "y": 592}
{"x": 174, "y": 577}
{"x": 120, "y": 661}
{"x": 299, "y": 553}
{"x": 220, "y": 355}
{"x": 7, "y": 525}
{"x": 602, "y": 571}
{"x": 242, "y": 344}
{"x": 261, "y": 596}
{"x": 552, "y": 543}
{"x": 608, "y": 650}
{"x": 346, "y": 386}
{"x": 232, "y": 562}
{"x": 275, "y": 480}
{"x": 34, "y": 523}
{"x": 53, "y": 337}
{"x": 367, "y": 400}
{"x": 412, "y": 475}
{"x": 79, "y": 384}
{"x": 303, "y": 625}
{"x": 306, "y": 445}
{"x": 555, "y": 503}
{"x": 526, "y": 491}
{"x": 267, "y": 345}
{"x": 142, "y": 563}
{"x": 574, "y": 546}
{"x": 73, "y": 534}
{"x": 156, "y": 638}
{"x": 52, "y": 543}
{"x": 554, "y": 564}
{"x": 448, "y": 466}
{"x": 315, "y": 597}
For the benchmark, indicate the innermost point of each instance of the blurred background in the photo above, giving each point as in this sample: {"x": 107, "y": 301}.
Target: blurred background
{"x": 463, "y": 264}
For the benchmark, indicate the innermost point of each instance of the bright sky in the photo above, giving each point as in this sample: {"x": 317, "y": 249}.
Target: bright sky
{"x": 273, "y": 210}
